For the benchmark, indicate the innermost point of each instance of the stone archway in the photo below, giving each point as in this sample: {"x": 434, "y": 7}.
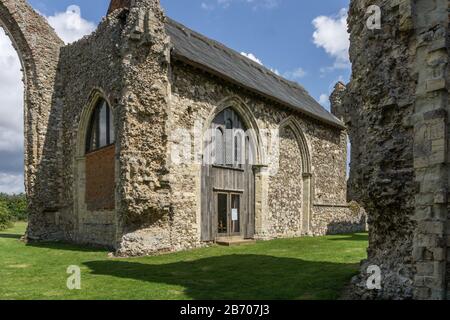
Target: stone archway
{"x": 232, "y": 179}
{"x": 86, "y": 217}
{"x": 295, "y": 163}
{"x": 38, "y": 48}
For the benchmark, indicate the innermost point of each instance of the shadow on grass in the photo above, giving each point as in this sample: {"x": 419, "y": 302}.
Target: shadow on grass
{"x": 67, "y": 246}
{"x": 10, "y": 236}
{"x": 239, "y": 276}
{"x": 353, "y": 237}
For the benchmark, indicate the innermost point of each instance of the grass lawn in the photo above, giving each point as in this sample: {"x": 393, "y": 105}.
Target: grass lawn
{"x": 305, "y": 268}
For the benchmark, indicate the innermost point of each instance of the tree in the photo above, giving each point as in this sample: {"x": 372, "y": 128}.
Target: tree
{"x": 5, "y": 216}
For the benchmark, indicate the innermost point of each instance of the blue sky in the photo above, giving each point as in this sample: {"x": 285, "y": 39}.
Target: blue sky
{"x": 278, "y": 32}
{"x": 305, "y": 41}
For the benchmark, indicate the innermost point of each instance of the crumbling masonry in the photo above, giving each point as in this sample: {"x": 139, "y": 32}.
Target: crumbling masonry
{"x": 396, "y": 108}
{"x": 102, "y": 121}
{"x": 148, "y": 70}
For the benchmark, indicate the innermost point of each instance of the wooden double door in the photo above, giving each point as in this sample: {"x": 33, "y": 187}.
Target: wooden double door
{"x": 229, "y": 210}
{"x": 228, "y": 203}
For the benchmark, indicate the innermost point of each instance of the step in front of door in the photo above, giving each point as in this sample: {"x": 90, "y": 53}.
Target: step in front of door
{"x": 234, "y": 241}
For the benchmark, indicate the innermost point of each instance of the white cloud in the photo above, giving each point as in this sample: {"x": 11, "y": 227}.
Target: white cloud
{"x": 275, "y": 71}
{"x": 324, "y": 99}
{"x": 251, "y": 56}
{"x": 11, "y": 183}
{"x": 11, "y": 118}
{"x": 331, "y": 34}
{"x": 69, "y": 25}
{"x": 207, "y": 6}
{"x": 295, "y": 74}
{"x": 11, "y": 98}
{"x": 255, "y": 4}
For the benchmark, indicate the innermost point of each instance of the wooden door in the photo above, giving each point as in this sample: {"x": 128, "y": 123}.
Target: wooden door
{"x": 228, "y": 182}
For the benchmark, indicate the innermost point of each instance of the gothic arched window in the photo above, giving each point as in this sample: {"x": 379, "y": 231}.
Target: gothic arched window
{"x": 101, "y": 127}
{"x": 229, "y": 139}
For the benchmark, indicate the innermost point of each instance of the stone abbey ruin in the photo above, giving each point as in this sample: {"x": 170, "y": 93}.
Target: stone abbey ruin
{"x": 396, "y": 110}
{"x": 108, "y": 118}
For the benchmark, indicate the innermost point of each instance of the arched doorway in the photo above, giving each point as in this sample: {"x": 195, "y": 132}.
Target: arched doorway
{"x": 99, "y": 158}
{"x": 228, "y": 180}
{"x": 290, "y": 189}
{"x": 95, "y": 172}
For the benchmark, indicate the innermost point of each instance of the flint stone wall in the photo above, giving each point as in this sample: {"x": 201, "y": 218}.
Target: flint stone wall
{"x": 127, "y": 61}
{"x": 38, "y": 48}
{"x": 396, "y": 108}
{"x": 195, "y": 96}
{"x": 89, "y": 66}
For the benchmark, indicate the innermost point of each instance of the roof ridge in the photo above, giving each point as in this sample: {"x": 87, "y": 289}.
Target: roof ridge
{"x": 217, "y": 58}
{"x": 226, "y": 49}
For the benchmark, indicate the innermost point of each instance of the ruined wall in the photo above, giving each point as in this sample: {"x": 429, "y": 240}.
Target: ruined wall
{"x": 195, "y": 96}
{"x": 431, "y": 150}
{"x": 382, "y": 174}
{"x": 89, "y": 68}
{"x": 126, "y": 61}
{"x": 395, "y": 107}
{"x": 38, "y": 48}
{"x": 143, "y": 186}
{"x": 286, "y": 188}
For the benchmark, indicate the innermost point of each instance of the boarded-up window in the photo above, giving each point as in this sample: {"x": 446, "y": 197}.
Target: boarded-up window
{"x": 100, "y": 179}
{"x": 100, "y": 162}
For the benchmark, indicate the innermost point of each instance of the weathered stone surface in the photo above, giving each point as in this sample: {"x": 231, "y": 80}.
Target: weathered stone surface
{"x": 396, "y": 108}
{"x": 119, "y": 4}
{"x": 127, "y": 61}
{"x": 38, "y": 48}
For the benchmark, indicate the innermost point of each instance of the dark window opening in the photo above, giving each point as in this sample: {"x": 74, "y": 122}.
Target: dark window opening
{"x": 101, "y": 127}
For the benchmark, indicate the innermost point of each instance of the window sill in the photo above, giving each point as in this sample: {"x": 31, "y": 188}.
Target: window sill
{"x": 109, "y": 146}
{"x": 228, "y": 168}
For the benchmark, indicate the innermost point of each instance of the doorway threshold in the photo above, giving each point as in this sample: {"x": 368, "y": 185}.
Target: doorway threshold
{"x": 234, "y": 241}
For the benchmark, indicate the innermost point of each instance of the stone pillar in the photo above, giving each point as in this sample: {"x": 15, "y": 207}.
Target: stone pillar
{"x": 431, "y": 125}
{"x": 261, "y": 201}
{"x": 144, "y": 186}
{"x": 377, "y": 104}
{"x": 397, "y": 110}
{"x": 307, "y": 203}
{"x": 38, "y": 48}
{"x": 337, "y": 101}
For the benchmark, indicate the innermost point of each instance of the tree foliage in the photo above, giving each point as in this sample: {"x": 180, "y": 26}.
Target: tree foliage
{"x": 16, "y": 205}
{"x": 5, "y": 216}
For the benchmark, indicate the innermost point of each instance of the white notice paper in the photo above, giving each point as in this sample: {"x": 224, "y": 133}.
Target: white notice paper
{"x": 234, "y": 214}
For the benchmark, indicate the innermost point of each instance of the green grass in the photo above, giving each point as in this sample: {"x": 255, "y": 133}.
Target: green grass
{"x": 305, "y": 268}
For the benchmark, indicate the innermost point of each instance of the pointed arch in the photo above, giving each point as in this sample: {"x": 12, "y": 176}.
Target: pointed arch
{"x": 37, "y": 46}
{"x": 96, "y": 95}
{"x": 248, "y": 119}
{"x": 307, "y": 175}
{"x": 302, "y": 142}
{"x": 233, "y": 181}
{"x": 95, "y": 171}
